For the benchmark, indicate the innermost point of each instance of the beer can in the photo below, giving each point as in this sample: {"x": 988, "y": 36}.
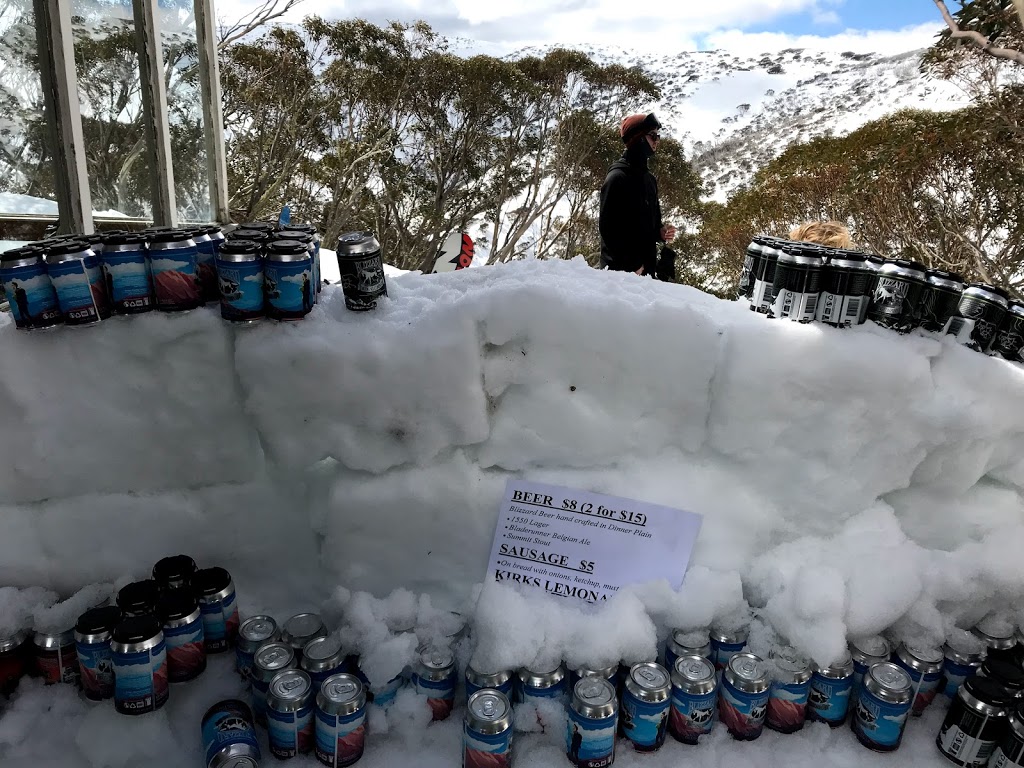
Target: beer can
{"x": 216, "y": 593}
{"x": 56, "y": 659}
{"x": 125, "y": 266}
{"x": 646, "y": 704}
{"x": 384, "y": 695}
{"x": 340, "y": 721}
{"x": 844, "y": 289}
{"x": 182, "y": 620}
{"x": 205, "y": 263}
{"x": 592, "y": 725}
{"x": 725, "y": 644}
{"x": 685, "y": 643}
{"x": 261, "y": 237}
{"x": 998, "y": 636}
{"x": 174, "y": 264}
{"x": 1010, "y": 752}
{"x": 797, "y": 284}
{"x": 790, "y": 691}
{"x": 979, "y": 314}
{"x": 300, "y": 629}
{"x": 959, "y": 664}
{"x": 268, "y": 660}
{"x": 229, "y": 737}
{"x": 240, "y": 275}
{"x": 216, "y": 237}
{"x": 74, "y": 270}
{"x": 139, "y": 658}
{"x": 535, "y": 685}
{"x": 743, "y": 702}
{"x": 321, "y": 658}
{"x": 174, "y": 572}
{"x": 867, "y": 651}
{"x": 15, "y": 653}
{"x": 310, "y": 230}
{"x": 288, "y": 280}
{"x": 435, "y": 678}
{"x": 306, "y": 238}
{"x": 253, "y": 633}
{"x": 924, "y": 665}
{"x": 609, "y": 673}
{"x": 362, "y": 270}
{"x": 694, "y": 697}
{"x": 829, "y": 698}
{"x": 762, "y": 296}
{"x": 976, "y": 723}
{"x": 1009, "y": 343}
{"x": 1005, "y": 672}
{"x": 498, "y": 681}
{"x": 940, "y": 299}
{"x": 883, "y": 704}
{"x": 290, "y": 725}
{"x": 138, "y": 598}
{"x": 897, "y": 296}
{"x": 93, "y": 633}
{"x": 487, "y": 730}
{"x": 29, "y": 289}
{"x": 751, "y": 261}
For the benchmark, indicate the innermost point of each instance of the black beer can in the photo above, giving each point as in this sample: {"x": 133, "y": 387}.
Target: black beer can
{"x": 797, "y": 283}
{"x": 1010, "y": 752}
{"x": 1009, "y": 343}
{"x": 940, "y": 299}
{"x": 976, "y": 723}
{"x": 751, "y": 261}
{"x": 362, "y": 270}
{"x": 844, "y": 289}
{"x": 762, "y": 295}
{"x": 978, "y": 316}
{"x": 897, "y": 295}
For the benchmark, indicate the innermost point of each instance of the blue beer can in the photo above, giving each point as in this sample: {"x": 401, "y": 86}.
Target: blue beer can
{"x": 28, "y": 289}
{"x": 340, "y": 721}
{"x": 866, "y": 652}
{"x": 268, "y": 660}
{"x": 229, "y": 736}
{"x": 182, "y": 620}
{"x": 610, "y": 673}
{"x": 127, "y": 275}
{"x": 300, "y": 629}
{"x": 206, "y": 255}
{"x": 384, "y": 696}
{"x": 791, "y": 688}
{"x": 829, "y": 700}
{"x": 216, "y": 593}
{"x": 74, "y": 270}
{"x": 306, "y": 235}
{"x": 253, "y": 633}
{"x": 924, "y": 665}
{"x": 646, "y": 703}
{"x": 174, "y": 264}
{"x": 240, "y": 280}
{"x": 694, "y": 698}
{"x": 883, "y": 704}
{"x": 726, "y": 643}
{"x": 436, "y": 679}
{"x": 321, "y": 658}
{"x": 498, "y": 681}
{"x": 681, "y": 643}
{"x": 139, "y": 658}
{"x": 592, "y": 726}
{"x": 743, "y": 703}
{"x": 93, "y": 633}
{"x": 487, "y": 730}
{"x": 536, "y": 685}
{"x": 290, "y": 725}
{"x": 288, "y": 280}
{"x": 960, "y": 664}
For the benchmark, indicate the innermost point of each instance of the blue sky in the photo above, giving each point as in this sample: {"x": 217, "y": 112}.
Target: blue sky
{"x": 852, "y": 14}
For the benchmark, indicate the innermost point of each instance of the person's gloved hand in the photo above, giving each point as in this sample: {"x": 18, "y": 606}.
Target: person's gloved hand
{"x": 666, "y": 270}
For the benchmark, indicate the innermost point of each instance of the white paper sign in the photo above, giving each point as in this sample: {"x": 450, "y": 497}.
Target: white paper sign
{"x": 584, "y": 546}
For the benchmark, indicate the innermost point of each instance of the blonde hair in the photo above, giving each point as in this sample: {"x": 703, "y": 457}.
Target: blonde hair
{"x": 830, "y": 233}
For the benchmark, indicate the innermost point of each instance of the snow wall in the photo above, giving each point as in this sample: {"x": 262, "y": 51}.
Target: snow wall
{"x": 848, "y": 479}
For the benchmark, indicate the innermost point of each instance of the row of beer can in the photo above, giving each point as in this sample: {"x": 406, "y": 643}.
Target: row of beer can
{"x": 806, "y": 282}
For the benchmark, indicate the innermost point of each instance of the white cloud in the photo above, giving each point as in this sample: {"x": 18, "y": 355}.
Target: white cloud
{"x": 881, "y": 41}
{"x": 825, "y": 18}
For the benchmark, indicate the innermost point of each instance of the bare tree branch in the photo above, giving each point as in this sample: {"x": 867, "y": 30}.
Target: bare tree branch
{"x": 1019, "y": 5}
{"x": 266, "y": 12}
{"x": 979, "y": 39}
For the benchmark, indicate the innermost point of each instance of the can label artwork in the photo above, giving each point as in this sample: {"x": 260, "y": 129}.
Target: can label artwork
{"x": 207, "y": 270}
{"x": 829, "y": 699}
{"x": 59, "y": 665}
{"x": 644, "y": 723}
{"x": 787, "y": 707}
{"x": 243, "y": 662}
{"x": 128, "y": 278}
{"x": 291, "y": 733}
{"x": 440, "y": 695}
{"x": 220, "y": 623}
{"x": 175, "y": 279}
{"x": 186, "y": 652}
{"x": 97, "y": 669}
{"x": 340, "y": 739}
{"x": 692, "y": 716}
{"x": 363, "y": 281}
{"x": 722, "y": 652}
{"x": 241, "y": 289}
{"x": 981, "y": 317}
{"x": 955, "y": 675}
{"x": 140, "y": 680}
{"x": 485, "y": 750}
{"x": 259, "y": 700}
{"x": 879, "y": 724}
{"x": 1009, "y": 342}
{"x": 926, "y": 686}
{"x": 81, "y": 291}
{"x": 229, "y": 725}
{"x": 385, "y": 697}
{"x": 289, "y": 289}
{"x": 590, "y": 743}
{"x": 967, "y": 749}
{"x": 557, "y": 691}
{"x": 505, "y": 688}
{"x": 742, "y": 713}
{"x": 1009, "y": 754}
{"x": 31, "y": 295}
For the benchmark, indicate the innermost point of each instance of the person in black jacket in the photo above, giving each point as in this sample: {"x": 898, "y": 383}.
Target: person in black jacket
{"x": 630, "y": 218}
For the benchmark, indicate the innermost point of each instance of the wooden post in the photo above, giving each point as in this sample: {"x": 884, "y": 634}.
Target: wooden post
{"x": 154, "y": 112}
{"x": 213, "y": 116}
{"x": 56, "y": 50}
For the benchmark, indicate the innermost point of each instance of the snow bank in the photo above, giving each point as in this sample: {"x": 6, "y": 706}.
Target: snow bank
{"x": 851, "y": 481}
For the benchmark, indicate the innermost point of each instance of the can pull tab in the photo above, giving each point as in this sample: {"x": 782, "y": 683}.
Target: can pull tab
{"x": 291, "y": 685}
{"x": 339, "y": 689}
{"x": 647, "y": 675}
{"x": 489, "y": 708}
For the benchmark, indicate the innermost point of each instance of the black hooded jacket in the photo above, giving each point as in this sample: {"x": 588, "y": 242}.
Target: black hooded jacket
{"x": 630, "y": 218}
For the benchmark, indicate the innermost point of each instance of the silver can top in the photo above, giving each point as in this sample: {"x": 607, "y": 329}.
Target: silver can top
{"x": 948, "y": 282}
{"x": 290, "y": 690}
{"x": 870, "y": 650}
{"x": 301, "y": 628}
{"x": 921, "y": 658}
{"x": 694, "y": 675}
{"x": 649, "y": 682}
{"x": 907, "y": 270}
{"x": 11, "y": 642}
{"x": 238, "y": 755}
{"x": 487, "y": 679}
{"x": 52, "y": 640}
{"x": 532, "y": 678}
{"x": 986, "y": 293}
{"x": 728, "y": 636}
{"x": 961, "y": 656}
{"x": 889, "y": 682}
{"x": 357, "y": 243}
{"x": 748, "y": 673}
{"x": 594, "y": 698}
{"x": 995, "y": 634}
{"x": 341, "y": 694}
{"x": 790, "y": 666}
{"x": 272, "y": 658}
{"x": 435, "y": 664}
{"x": 322, "y": 653}
{"x": 257, "y": 630}
{"x": 606, "y": 672}
{"x": 488, "y": 712}
{"x": 837, "y": 670}
{"x": 684, "y": 642}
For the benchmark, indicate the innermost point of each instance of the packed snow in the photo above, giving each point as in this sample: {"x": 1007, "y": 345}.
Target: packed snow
{"x": 18, "y": 204}
{"x": 851, "y": 482}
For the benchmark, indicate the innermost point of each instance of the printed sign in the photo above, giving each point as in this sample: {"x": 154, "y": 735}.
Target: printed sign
{"x": 584, "y": 546}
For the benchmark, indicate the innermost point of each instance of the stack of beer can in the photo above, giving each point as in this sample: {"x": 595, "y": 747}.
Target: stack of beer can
{"x": 805, "y": 282}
